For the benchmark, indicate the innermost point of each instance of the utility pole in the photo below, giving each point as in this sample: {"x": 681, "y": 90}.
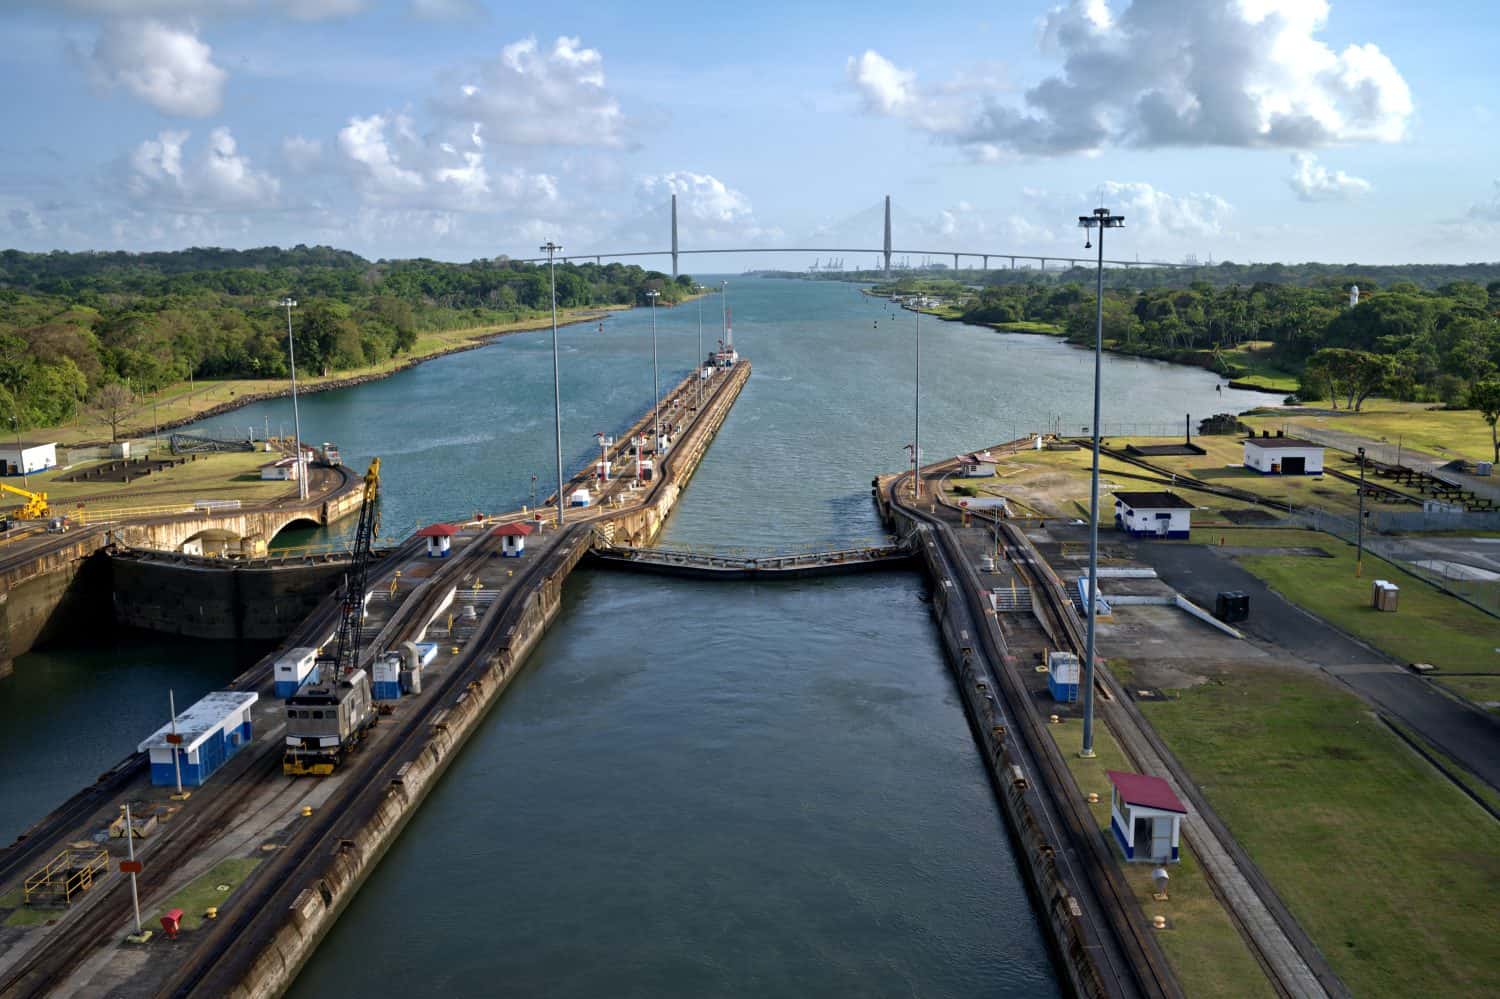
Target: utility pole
{"x": 135, "y": 896}
{"x": 289, "y": 304}
{"x": 700, "y": 352}
{"x": 916, "y": 438}
{"x": 1101, "y": 220}
{"x": 1359, "y": 557}
{"x": 15, "y": 424}
{"x": 551, "y": 248}
{"x": 653, "y": 294}
{"x": 175, "y": 740}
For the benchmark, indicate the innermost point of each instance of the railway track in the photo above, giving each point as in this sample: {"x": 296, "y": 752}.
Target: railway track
{"x": 1127, "y": 956}
{"x": 222, "y": 959}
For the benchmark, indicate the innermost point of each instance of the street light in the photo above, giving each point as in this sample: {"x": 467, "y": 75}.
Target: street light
{"x": 1359, "y": 558}
{"x": 653, "y": 294}
{"x": 550, "y": 248}
{"x": 1101, "y": 220}
{"x": 289, "y": 304}
{"x": 916, "y": 434}
{"x": 15, "y": 424}
{"x": 699, "y": 367}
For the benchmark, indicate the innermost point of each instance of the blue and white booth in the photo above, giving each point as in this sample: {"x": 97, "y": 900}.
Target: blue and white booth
{"x": 439, "y": 539}
{"x": 1062, "y": 677}
{"x": 1153, "y": 515}
{"x": 203, "y": 737}
{"x": 293, "y": 670}
{"x": 512, "y": 539}
{"x": 1146, "y": 817}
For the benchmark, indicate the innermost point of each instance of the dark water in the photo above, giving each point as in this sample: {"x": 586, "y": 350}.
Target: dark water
{"x": 693, "y": 789}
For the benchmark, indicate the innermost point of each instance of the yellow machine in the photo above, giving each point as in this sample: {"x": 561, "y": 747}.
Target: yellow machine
{"x": 36, "y": 503}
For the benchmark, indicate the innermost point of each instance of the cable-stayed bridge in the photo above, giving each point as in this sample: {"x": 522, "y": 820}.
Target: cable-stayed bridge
{"x": 884, "y": 252}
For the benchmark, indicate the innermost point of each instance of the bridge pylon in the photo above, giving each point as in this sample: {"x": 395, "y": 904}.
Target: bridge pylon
{"x": 887, "y": 235}
{"x": 674, "y": 237}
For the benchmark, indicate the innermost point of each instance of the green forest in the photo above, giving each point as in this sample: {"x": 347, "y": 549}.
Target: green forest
{"x": 1401, "y": 340}
{"x": 74, "y": 324}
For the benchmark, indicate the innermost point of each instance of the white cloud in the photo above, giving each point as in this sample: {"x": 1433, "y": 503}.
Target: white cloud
{"x": 1156, "y": 213}
{"x": 1314, "y": 182}
{"x": 218, "y": 180}
{"x": 446, "y": 10}
{"x": 532, "y": 97}
{"x": 701, "y": 197}
{"x": 1487, "y": 211}
{"x": 169, "y": 68}
{"x": 1237, "y": 73}
{"x": 885, "y": 87}
{"x": 394, "y": 167}
{"x": 300, "y": 153}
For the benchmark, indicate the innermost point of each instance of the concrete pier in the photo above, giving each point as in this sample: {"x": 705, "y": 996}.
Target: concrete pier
{"x": 313, "y": 842}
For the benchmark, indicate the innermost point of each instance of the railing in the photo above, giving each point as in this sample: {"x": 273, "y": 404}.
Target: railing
{"x": 65, "y": 875}
{"x": 739, "y": 559}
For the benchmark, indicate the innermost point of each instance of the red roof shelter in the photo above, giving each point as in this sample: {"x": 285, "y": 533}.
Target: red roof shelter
{"x": 512, "y": 538}
{"x": 1146, "y": 817}
{"x": 439, "y": 538}
{"x": 515, "y": 529}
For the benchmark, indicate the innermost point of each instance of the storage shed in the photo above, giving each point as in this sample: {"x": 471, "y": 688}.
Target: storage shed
{"x": 1062, "y": 677}
{"x": 207, "y": 734}
{"x": 293, "y": 669}
{"x": 280, "y": 470}
{"x": 1283, "y": 455}
{"x": 1145, "y": 816}
{"x": 439, "y": 539}
{"x": 512, "y": 539}
{"x": 978, "y": 465}
{"x": 1153, "y": 515}
{"x": 27, "y": 456}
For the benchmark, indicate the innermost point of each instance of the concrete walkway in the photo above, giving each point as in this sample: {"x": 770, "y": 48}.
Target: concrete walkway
{"x": 1391, "y": 454}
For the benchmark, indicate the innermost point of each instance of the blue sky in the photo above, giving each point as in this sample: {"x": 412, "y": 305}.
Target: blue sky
{"x": 1350, "y": 130}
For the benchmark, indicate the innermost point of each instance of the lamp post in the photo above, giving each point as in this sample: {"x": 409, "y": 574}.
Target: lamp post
{"x": 699, "y": 367}
{"x": 550, "y": 248}
{"x": 1359, "y": 557}
{"x": 15, "y": 424}
{"x": 289, "y": 304}
{"x": 653, "y": 294}
{"x": 1101, "y": 220}
{"x": 916, "y": 434}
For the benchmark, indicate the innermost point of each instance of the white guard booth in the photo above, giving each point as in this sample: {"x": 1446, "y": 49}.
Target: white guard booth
{"x": 512, "y": 539}
{"x": 293, "y": 669}
{"x": 207, "y": 734}
{"x": 1145, "y": 816}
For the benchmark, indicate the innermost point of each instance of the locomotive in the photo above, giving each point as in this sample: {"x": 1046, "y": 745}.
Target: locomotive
{"x": 326, "y": 721}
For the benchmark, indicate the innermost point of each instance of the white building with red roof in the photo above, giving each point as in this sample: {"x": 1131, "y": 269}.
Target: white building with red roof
{"x": 512, "y": 538}
{"x": 439, "y": 539}
{"x": 1146, "y": 817}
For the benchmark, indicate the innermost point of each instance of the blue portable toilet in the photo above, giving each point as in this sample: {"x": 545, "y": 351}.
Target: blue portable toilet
{"x": 1062, "y": 677}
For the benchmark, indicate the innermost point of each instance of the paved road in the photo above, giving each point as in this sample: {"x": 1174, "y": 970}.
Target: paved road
{"x": 1464, "y": 732}
{"x": 1342, "y": 440}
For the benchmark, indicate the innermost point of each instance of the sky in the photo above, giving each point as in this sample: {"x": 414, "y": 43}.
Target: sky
{"x": 1246, "y": 130}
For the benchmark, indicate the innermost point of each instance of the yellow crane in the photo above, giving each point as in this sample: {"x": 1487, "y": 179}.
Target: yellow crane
{"x": 36, "y": 503}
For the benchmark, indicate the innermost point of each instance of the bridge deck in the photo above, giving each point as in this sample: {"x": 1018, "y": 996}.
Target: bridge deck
{"x": 727, "y": 566}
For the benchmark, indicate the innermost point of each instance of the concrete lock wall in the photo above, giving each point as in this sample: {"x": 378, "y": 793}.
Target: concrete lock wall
{"x": 48, "y": 595}
{"x": 222, "y": 601}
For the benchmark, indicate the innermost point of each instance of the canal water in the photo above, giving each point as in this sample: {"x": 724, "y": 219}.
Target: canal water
{"x": 693, "y": 789}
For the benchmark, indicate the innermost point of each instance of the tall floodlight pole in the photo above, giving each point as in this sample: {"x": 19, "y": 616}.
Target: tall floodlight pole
{"x": 551, "y": 248}
{"x": 1359, "y": 558}
{"x": 15, "y": 424}
{"x": 916, "y": 433}
{"x": 289, "y": 304}
{"x": 653, "y": 294}
{"x": 1100, "y": 220}
{"x": 700, "y": 349}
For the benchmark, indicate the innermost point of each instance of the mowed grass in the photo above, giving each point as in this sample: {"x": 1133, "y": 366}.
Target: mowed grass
{"x": 203, "y": 892}
{"x": 234, "y": 475}
{"x": 1260, "y": 371}
{"x": 1205, "y": 949}
{"x": 1482, "y": 690}
{"x": 1437, "y": 432}
{"x": 1429, "y": 625}
{"x": 1391, "y": 869}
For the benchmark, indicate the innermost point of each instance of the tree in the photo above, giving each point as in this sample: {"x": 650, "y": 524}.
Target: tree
{"x": 112, "y": 402}
{"x": 1354, "y": 374}
{"x": 1485, "y": 397}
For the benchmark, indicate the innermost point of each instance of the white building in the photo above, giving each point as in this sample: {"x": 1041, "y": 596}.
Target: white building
{"x": 978, "y": 465}
{"x": 1146, "y": 817}
{"x": 281, "y": 470}
{"x": 1283, "y": 455}
{"x": 27, "y": 457}
{"x": 1153, "y": 515}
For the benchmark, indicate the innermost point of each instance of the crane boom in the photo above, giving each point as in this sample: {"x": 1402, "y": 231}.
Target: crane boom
{"x": 352, "y": 598}
{"x": 36, "y": 503}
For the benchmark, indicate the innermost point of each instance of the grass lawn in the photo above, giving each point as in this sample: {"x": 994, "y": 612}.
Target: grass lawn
{"x": 23, "y": 915}
{"x": 204, "y": 892}
{"x": 1260, "y": 371}
{"x": 1028, "y": 326}
{"x": 1441, "y": 433}
{"x": 215, "y": 476}
{"x": 1482, "y": 690}
{"x": 1202, "y": 944}
{"x": 1388, "y": 866}
{"x": 1259, "y": 537}
{"x": 1430, "y": 626}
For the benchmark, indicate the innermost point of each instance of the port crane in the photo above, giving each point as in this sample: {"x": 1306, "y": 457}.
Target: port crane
{"x": 344, "y": 657}
{"x": 35, "y": 507}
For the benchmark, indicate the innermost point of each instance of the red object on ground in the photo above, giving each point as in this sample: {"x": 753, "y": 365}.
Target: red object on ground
{"x": 172, "y": 922}
{"x": 130, "y": 867}
{"x": 1148, "y": 792}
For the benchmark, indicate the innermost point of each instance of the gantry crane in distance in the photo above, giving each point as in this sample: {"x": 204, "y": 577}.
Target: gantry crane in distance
{"x": 329, "y": 716}
{"x": 35, "y": 507}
